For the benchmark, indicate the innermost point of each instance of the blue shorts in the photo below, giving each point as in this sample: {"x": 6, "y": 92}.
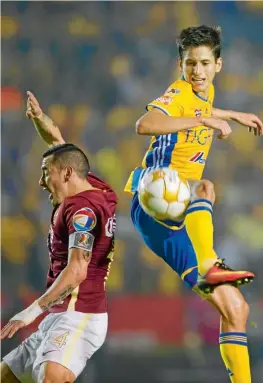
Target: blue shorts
{"x": 173, "y": 245}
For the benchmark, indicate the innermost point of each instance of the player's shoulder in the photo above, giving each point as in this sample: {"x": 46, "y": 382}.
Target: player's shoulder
{"x": 80, "y": 212}
{"x": 97, "y": 200}
{"x": 87, "y": 198}
{"x": 179, "y": 89}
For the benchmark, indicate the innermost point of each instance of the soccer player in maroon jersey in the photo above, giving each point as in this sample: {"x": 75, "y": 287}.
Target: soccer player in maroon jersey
{"x": 81, "y": 246}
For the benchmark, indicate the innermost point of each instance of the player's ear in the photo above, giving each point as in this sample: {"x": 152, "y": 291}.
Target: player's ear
{"x": 67, "y": 173}
{"x": 180, "y": 63}
{"x": 219, "y": 64}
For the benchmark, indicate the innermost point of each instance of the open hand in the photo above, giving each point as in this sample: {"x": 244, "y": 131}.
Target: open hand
{"x": 253, "y": 123}
{"x": 11, "y": 328}
{"x": 33, "y": 108}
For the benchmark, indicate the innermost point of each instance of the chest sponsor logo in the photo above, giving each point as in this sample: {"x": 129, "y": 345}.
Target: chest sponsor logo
{"x": 198, "y": 158}
{"x": 202, "y": 136}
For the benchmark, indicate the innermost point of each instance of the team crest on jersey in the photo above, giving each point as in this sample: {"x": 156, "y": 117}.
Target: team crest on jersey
{"x": 166, "y": 100}
{"x": 84, "y": 219}
{"x": 173, "y": 90}
{"x": 198, "y": 158}
{"x": 198, "y": 112}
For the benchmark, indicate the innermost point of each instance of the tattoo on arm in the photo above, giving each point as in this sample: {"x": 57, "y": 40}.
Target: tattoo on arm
{"x": 87, "y": 255}
{"x": 48, "y": 120}
{"x": 68, "y": 290}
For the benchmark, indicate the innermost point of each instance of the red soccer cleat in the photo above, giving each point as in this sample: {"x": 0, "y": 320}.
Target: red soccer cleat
{"x": 220, "y": 274}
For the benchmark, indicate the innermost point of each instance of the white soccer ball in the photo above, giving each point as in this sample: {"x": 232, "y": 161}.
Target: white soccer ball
{"x": 163, "y": 194}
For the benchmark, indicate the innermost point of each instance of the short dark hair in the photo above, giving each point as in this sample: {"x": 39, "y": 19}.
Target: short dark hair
{"x": 197, "y": 36}
{"x": 69, "y": 154}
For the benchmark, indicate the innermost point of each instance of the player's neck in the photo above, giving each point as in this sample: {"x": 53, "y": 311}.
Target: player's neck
{"x": 78, "y": 187}
{"x": 202, "y": 95}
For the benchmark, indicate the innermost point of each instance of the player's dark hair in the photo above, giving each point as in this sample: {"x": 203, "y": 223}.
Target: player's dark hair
{"x": 197, "y": 36}
{"x": 69, "y": 154}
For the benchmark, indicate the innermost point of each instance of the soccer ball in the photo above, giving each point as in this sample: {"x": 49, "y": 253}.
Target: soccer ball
{"x": 163, "y": 194}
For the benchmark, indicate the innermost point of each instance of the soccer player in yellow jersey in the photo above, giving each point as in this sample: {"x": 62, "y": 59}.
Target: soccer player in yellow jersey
{"x": 181, "y": 123}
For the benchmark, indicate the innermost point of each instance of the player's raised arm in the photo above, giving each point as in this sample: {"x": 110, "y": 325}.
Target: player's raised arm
{"x": 156, "y": 122}
{"x": 249, "y": 120}
{"x": 45, "y": 127}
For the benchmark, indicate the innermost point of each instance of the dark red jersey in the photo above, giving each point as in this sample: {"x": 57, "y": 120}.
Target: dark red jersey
{"x": 90, "y": 218}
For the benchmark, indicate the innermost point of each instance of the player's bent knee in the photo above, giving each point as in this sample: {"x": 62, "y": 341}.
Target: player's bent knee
{"x": 52, "y": 372}
{"x": 203, "y": 189}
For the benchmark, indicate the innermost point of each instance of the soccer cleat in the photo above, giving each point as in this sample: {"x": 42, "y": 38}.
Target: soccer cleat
{"x": 220, "y": 274}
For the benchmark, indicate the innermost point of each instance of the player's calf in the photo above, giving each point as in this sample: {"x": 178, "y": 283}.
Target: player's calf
{"x": 234, "y": 311}
{"x": 232, "y": 306}
{"x": 212, "y": 271}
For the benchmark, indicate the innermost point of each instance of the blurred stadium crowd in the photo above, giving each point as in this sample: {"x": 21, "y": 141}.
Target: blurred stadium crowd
{"x": 94, "y": 66}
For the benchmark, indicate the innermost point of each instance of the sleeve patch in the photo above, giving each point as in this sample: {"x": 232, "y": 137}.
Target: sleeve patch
{"x": 81, "y": 240}
{"x": 166, "y": 100}
{"x": 84, "y": 219}
{"x": 173, "y": 91}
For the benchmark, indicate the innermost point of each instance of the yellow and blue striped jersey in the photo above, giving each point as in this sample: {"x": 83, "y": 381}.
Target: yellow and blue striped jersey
{"x": 186, "y": 150}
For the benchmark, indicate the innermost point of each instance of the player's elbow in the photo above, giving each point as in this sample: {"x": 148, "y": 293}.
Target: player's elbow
{"x": 142, "y": 126}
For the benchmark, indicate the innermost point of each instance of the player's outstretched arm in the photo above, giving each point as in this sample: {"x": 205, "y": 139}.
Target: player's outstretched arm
{"x": 71, "y": 277}
{"x": 156, "y": 122}
{"x": 45, "y": 127}
{"x": 251, "y": 121}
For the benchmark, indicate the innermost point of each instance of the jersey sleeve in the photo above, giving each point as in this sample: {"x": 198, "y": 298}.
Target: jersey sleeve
{"x": 81, "y": 220}
{"x": 169, "y": 102}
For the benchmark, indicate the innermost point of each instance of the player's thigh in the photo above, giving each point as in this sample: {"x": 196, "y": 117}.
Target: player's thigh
{"x": 170, "y": 243}
{"x": 144, "y": 223}
{"x": 72, "y": 340}
{"x": 7, "y": 375}
{"x": 231, "y": 304}
{"x": 52, "y": 372}
{"x": 20, "y": 360}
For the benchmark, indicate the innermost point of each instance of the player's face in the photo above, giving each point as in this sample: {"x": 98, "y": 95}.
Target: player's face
{"x": 199, "y": 67}
{"x": 52, "y": 181}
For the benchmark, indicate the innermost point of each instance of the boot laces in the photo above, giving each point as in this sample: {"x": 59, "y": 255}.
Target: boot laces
{"x": 221, "y": 264}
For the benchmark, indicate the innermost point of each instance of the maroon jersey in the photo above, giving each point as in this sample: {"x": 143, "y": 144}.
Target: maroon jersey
{"x": 90, "y": 218}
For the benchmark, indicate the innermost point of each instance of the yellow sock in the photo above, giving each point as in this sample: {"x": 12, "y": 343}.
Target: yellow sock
{"x": 234, "y": 351}
{"x": 199, "y": 227}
